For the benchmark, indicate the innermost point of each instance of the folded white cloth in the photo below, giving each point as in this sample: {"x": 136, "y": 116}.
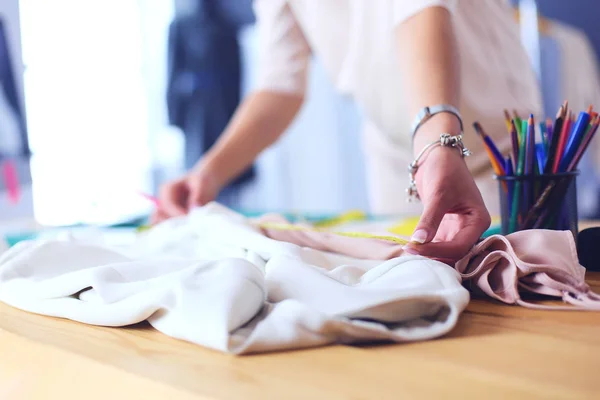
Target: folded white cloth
{"x": 213, "y": 279}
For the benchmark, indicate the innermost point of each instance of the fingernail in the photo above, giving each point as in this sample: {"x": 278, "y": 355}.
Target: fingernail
{"x": 410, "y": 250}
{"x": 419, "y": 236}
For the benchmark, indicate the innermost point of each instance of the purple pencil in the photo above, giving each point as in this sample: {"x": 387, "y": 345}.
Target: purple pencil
{"x": 514, "y": 136}
{"x": 548, "y": 133}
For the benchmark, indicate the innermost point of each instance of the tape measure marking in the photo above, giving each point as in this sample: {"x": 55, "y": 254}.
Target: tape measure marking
{"x": 362, "y": 235}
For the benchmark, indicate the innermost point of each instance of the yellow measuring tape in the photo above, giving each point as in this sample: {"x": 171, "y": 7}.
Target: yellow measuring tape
{"x": 350, "y": 216}
{"x": 363, "y": 235}
{"x": 404, "y": 228}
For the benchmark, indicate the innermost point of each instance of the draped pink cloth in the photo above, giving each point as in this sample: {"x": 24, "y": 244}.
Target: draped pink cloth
{"x": 542, "y": 262}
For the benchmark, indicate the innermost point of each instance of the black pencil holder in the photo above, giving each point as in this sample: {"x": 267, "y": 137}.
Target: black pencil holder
{"x": 547, "y": 201}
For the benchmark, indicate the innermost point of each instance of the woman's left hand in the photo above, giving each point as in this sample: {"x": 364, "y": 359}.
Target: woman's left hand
{"x": 454, "y": 216}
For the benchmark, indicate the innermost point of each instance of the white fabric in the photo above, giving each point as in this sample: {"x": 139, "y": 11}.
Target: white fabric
{"x": 355, "y": 41}
{"x": 213, "y": 279}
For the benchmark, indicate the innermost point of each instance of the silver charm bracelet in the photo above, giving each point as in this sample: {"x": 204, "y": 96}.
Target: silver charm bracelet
{"x": 445, "y": 140}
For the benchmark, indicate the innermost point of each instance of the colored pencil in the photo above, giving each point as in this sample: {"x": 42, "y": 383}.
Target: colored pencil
{"x": 540, "y": 153}
{"x": 545, "y": 219}
{"x": 528, "y": 187}
{"x": 543, "y": 133}
{"x": 564, "y": 137}
{"x": 514, "y": 136}
{"x": 554, "y": 139}
{"x": 507, "y": 121}
{"x": 509, "y": 166}
{"x": 534, "y": 213}
{"x": 536, "y": 199}
{"x": 516, "y": 200}
{"x": 547, "y": 135}
{"x": 584, "y": 145}
{"x": 492, "y": 149}
{"x": 509, "y": 184}
{"x": 518, "y": 124}
{"x": 574, "y": 141}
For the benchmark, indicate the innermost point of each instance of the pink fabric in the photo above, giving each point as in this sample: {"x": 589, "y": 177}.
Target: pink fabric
{"x": 534, "y": 261}
{"x": 539, "y": 262}
{"x": 371, "y": 249}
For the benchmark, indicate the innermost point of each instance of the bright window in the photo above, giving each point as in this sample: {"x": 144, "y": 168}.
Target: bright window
{"x": 93, "y": 90}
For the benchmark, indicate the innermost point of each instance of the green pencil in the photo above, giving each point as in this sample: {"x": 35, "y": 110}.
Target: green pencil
{"x": 519, "y": 125}
{"x": 516, "y": 200}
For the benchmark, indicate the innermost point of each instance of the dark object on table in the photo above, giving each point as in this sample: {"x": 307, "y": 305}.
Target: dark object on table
{"x": 588, "y": 248}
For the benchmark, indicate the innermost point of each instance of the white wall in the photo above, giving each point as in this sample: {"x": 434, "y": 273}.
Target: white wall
{"x": 92, "y": 105}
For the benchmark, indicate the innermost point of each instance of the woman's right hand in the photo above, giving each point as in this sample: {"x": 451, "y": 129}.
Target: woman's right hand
{"x": 180, "y": 196}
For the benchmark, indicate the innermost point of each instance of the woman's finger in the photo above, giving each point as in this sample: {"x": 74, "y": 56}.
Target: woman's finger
{"x": 171, "y": 199}
{"x": 429, "y": 222}
{"x": 454, "y": 249}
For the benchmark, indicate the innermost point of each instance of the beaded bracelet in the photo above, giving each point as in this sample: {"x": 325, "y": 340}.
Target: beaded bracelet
{"x": 445, "y": 140}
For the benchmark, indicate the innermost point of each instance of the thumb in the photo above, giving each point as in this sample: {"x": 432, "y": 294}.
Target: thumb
{"x": 428, "y": 223}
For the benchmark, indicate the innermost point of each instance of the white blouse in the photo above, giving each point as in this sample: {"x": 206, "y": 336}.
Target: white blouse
{"x": 355, "y": 41}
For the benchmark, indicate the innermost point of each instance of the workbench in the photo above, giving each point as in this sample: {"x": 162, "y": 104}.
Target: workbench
{"x": 495, "y": 351}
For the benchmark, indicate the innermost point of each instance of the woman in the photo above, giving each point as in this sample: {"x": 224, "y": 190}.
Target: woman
{"x": 462, "y": 58}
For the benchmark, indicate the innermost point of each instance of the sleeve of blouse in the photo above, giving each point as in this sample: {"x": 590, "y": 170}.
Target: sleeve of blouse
{"x": 283, "y": 52}
{"x": 404, "y": 9}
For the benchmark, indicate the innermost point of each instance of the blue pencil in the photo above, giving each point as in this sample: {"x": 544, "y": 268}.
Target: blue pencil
{"x": 540, "y": 152}
{"x": 543, "y": 133}
{"x": 548, "y": 133}
{"x": 490, "y": 144}
{"x": 574, "y": 141}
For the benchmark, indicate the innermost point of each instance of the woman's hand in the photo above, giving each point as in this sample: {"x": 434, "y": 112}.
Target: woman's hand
{"x": 178, "y": 197}
{"x": 454, "y": 215}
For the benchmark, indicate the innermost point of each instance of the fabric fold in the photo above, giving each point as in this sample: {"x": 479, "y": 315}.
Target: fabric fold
{"x": 539, "y": 262}
{"x": 214, "y": 279}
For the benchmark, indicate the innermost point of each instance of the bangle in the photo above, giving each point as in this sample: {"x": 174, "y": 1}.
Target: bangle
{"x": 445, "y": 140}
{"x": 426, "y": 113}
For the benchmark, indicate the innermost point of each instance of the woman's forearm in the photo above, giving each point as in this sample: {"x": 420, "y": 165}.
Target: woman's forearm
{"x": 430, "y": 70}
{"x": 259, "y": 121}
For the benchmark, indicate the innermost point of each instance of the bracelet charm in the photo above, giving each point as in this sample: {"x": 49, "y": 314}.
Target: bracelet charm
{"x": 445, "y": 140}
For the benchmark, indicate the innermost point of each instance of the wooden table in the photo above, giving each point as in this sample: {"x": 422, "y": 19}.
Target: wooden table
{"x": 496, "y": 351}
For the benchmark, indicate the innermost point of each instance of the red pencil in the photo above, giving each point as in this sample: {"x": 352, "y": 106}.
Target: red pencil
{"x": 564, "y": 137}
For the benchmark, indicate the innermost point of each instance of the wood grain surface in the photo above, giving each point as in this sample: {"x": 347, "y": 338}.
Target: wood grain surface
{"x": 496, "y": 351}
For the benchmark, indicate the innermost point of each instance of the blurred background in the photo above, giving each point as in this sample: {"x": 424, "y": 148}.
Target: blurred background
{"x": 103, "y": 99}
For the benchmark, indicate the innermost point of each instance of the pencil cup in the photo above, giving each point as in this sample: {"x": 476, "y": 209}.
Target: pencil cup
{"x": 547, "y": 201}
